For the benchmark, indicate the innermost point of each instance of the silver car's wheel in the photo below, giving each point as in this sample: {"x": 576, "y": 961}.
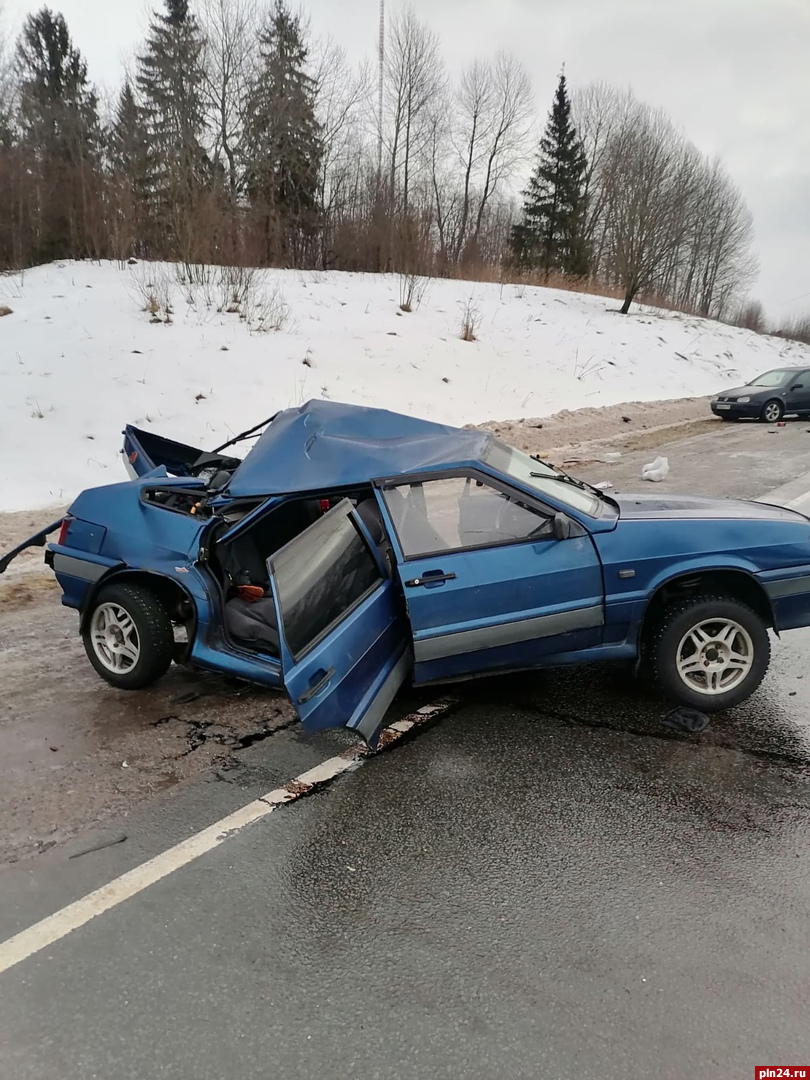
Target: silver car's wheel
{"x": 114, "y": 638}
{"x": 715, "y": 656}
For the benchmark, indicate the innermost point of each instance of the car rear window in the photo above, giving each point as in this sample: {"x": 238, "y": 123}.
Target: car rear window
{"x": 320, "y": 577}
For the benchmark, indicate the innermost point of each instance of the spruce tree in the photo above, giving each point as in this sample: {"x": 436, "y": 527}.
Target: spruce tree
{"x": 284, "y": 138}
{"x": 170, "y": 89}
{"x": 59, "y": 129}
{"x": 129, "y": 157}
{"x": 549, "y": 236}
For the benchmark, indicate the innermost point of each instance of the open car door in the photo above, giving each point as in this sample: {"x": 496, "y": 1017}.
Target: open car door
{"x": 344, "y": 639}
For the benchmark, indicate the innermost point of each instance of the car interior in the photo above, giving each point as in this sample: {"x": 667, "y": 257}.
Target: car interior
{"x": 240, "y": 565}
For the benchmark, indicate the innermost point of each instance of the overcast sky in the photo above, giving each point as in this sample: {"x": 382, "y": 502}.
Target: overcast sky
{"x": 734, "y": 74}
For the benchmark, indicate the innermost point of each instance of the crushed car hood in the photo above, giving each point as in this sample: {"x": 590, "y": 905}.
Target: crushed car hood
{"x": 672, "y": 507}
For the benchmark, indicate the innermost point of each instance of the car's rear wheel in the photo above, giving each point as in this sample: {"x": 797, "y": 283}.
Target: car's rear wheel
{"x": 772, "y": 412}
{"x": 710, "y": 652}
{"x": 128, "y": 637}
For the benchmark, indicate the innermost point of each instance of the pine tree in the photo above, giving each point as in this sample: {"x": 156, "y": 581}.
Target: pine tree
{"x": 129, "y": 157}
{"x": 549, "y": 237}
{"x": 59, "y": 128}
{"x": 284, "y": 139}
{"x": 170, "y": 88}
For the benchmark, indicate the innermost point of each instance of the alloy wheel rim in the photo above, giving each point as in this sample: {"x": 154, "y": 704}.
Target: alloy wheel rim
{"x": 115, "y": 638}
{"x": 715, "y": 656}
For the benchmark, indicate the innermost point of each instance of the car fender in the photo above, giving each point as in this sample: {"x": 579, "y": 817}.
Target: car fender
{"x": 184, "y": 583}
{"x": 633, "y": 605}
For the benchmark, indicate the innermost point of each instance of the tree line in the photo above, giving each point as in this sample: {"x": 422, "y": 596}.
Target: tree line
{"x": 239, "y": 138}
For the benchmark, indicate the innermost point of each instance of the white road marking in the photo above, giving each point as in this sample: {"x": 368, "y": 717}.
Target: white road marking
{"x": 54, "y": 927}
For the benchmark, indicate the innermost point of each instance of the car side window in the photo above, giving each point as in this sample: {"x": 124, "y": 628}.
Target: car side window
{"x": 460, "y": 512}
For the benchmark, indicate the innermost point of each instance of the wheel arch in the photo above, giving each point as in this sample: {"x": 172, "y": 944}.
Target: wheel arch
{"x": 735, "y": 584}
{"x": 178, "y": 600}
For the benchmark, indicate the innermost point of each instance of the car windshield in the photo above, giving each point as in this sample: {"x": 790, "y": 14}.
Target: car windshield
{"x": 545, "y": 480}
{"x": 772, "y": 378}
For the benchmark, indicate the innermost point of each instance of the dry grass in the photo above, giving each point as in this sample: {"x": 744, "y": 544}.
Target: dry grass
{"x": 504, "y": 275}
{"x": 470, "y": 320}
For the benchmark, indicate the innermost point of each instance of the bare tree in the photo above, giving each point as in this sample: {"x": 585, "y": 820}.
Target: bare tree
{"x": 601, "y": 112}
{"x": 494, "y": 114}
{"x": 231, "y": 29}
{"x": 507, "y": 141}
{"x": 649, "y": 179}
{"x": 341, "y": 95}
{"x": 750, "y": 316}
{"x": 6, "y": 79}
{"x": 414, "y": 77}
{"x": 723, "y": 263}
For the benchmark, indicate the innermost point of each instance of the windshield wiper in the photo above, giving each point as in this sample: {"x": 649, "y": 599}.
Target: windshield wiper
{"x": 564, "y": 478}
{"x": 245, "y": 434}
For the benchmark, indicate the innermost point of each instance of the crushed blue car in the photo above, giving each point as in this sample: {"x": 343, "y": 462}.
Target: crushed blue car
{"x": 354, "y": 549}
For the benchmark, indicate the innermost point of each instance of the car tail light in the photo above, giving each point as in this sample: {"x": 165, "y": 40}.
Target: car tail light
{"x": 66, "y": 523}
{"x": 324, "y": 505}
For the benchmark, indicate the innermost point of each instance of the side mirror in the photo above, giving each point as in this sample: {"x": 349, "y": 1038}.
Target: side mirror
{"x": 563, "y": 527}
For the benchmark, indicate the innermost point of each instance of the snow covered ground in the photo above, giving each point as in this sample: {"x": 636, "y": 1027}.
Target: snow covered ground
{"x": 80, "y": 357}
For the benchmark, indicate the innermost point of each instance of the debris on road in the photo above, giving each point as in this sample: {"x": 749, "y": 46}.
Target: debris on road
{"x": 656, "y": 471}
{"x": 99, "y": 845}
{"x": 688, "y": 720}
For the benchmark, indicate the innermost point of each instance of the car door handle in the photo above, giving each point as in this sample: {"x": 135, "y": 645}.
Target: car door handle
{"x": 432, "y": 577}
{"x": 318, "y": 688}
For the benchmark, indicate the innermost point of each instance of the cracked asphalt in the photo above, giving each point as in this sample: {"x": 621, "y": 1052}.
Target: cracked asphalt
{"x": 547, "y": 883}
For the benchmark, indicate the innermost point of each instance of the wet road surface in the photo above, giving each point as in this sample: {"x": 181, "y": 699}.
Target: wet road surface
{"x": 548, "y": 883}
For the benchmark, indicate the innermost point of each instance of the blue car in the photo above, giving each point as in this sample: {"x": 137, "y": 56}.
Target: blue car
{"x": 354, "y": 549}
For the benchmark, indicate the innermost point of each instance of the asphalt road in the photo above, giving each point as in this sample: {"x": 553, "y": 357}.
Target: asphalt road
{"x": 546, "y": 883}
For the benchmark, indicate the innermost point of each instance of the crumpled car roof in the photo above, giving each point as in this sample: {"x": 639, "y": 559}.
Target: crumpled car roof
{"x": 326, "y": 444}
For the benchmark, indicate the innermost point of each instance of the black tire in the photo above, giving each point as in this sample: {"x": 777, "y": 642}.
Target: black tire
{"x": 772, "y": 411}
{"x": 149, "y": 644}
{"x": 727, "y": 419}
{"x": 668, "y": 640}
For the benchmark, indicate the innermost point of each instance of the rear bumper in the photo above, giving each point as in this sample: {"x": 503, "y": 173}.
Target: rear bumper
{"x": 77, "y": 572}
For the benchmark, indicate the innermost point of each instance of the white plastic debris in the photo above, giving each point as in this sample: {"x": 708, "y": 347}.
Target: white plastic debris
{"x": 656, "y": 471}
{"x": 614, "y": 455}
{"x": 603, "y": 485}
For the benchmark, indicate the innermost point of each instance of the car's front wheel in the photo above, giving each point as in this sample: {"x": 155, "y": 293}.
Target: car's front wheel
{"x": 709, "y": 652}
{"x": 772, "y": 412}
{"x": 128, "y": 637}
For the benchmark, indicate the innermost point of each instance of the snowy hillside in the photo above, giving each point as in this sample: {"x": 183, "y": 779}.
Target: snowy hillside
{"x": 80, "y": 357}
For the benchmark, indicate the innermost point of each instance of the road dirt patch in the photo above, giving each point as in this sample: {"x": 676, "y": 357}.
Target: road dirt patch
{"x": 74, "y": 751}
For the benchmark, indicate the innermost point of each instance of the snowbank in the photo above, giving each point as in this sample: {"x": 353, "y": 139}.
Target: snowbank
{"x": 79, "y": 358}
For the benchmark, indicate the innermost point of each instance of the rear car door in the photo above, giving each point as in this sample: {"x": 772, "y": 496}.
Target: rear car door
{"x": 344, "y": 641}
{"x": 487, "y": 585}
